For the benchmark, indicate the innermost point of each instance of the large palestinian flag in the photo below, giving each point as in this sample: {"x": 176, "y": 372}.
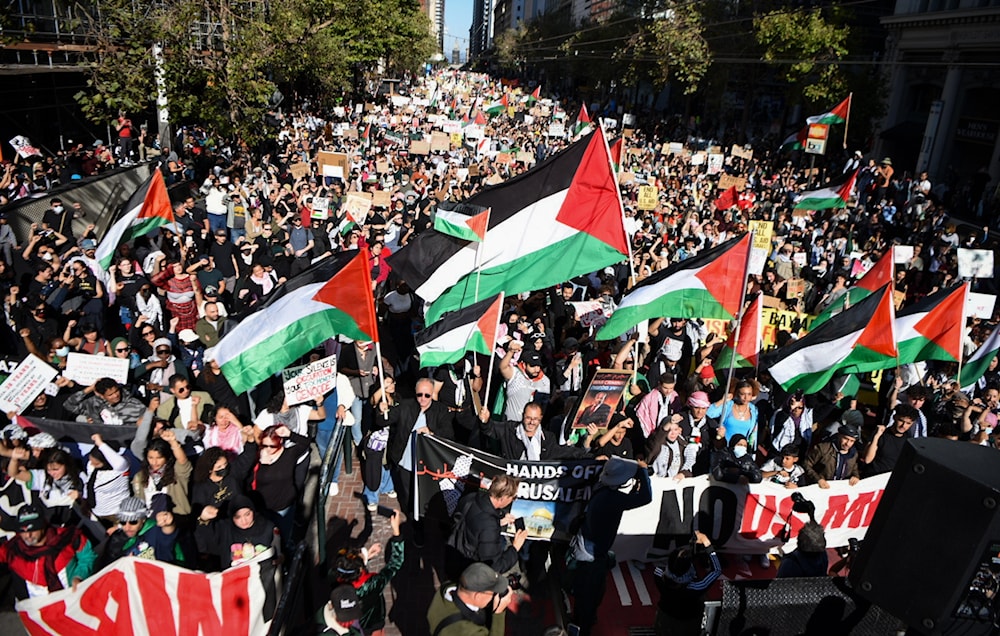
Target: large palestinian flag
{"x": 745, "y": 352}
{"x": 832, "y": 197}
{"x": 146, "y": 210}
{"x": 860, "y": 336}
{"x": 709, "y": 285}
{"x": 332, "y": 297}
{"x": 561, "y": 219}
{"x": 979, "y": 362}
{"x": 471, "y": 329}
{"x": 933, "y": 329}
{"x": 879, "y": 275}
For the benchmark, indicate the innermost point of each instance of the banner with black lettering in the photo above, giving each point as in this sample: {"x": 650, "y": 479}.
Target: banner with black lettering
{"x": 745, "y": 519}
{"x": 141, "y": 597}
{"x": 742, "y": 519}
{"x": 551, "y": 496}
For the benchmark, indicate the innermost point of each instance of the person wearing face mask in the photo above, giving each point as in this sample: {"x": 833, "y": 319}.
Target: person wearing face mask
{"x": 733, "y": 464}
{"x": 43, "y": 558}
{"x": 59, "y": 219}
{"x": 237, "y": 537}
{"x": 219, "y": 475}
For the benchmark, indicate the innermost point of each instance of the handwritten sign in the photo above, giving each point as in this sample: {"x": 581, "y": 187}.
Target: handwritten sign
{"x": 298, "y": 170}
{"x": 980, "y": 305}
{"x": 358, "y": 204}
{"x": 85, "y": 369}
{"x": 25, "y": 382}
{"x": 975, "y": 263}
{"x": 310, "y": 381}
{"x": 333, "y": 164}
{"x": 727, "y": 181}
{"x": 556, "y": 130}
{"x": 647, "y": 197}
{"x": 381, "y": 199}
{"x": 760, "y": 248}
{"x": 440, "y": 142}
{"x": 420, "y": 147}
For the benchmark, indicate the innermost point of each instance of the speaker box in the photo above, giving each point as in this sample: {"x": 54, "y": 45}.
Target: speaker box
{"x": 931, "y": 556}
{"x": 821, "y": 606}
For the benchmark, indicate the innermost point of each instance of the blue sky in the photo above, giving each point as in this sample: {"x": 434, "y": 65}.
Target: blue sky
{"x": 457, "y": 20}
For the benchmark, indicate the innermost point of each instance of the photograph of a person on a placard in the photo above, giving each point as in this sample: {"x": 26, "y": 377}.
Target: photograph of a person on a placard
{"x": 597, "y": 413}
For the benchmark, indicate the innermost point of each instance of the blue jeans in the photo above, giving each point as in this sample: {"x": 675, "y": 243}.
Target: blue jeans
{"x": 235, "y": 234}
{"x": 371, "y": 497}
{"x": 217, "y": 222}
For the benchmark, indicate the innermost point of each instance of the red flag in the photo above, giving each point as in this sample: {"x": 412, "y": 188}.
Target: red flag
{"x": 584, "y": 116}
{"x": 480, "y": 120}
{"x": 727, "y": 199}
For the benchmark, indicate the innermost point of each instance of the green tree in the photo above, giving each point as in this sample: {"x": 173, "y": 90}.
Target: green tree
{"x": 674, "y": 41}
{"x": 807, "y": 48}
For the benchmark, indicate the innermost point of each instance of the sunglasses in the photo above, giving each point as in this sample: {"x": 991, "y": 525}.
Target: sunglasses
{"x": 148, "y": 333}
{"x": 423, "y": 395}
{"x": 123, "y": 349}
{"x": 133, "y": 523}
{"x": 183, "y": 388}
{"x": 270, "y": 446}
{"x": 163, "y": 351}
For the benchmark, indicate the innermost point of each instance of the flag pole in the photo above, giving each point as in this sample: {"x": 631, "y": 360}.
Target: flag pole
{"x": 961, "y": 332}
{"x": 489, "y": 374}
{"x": 479, "y": 252}
{"x": 847, "y": 120}
{"x": 739, "y": 320}
{"x": 618, "y": 193}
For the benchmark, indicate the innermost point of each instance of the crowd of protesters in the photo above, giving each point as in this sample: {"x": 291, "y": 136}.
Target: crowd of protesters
{"x": 212, "y": 470}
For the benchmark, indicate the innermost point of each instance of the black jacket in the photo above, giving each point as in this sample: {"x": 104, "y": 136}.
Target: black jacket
{"x": 477, "y": 533}
{"x": 512, "y": 448}
{"x": 401, "y": 421}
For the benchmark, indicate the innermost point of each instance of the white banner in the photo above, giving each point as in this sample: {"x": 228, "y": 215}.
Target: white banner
{"x": 590, "y": 313}
{"x": 744, "y": 519}
{"x": 975, "y": 263}
{"x": 24, "y": 384}
{"x": 142, "y": 597}
{"x": 23, "y": 147}
{"x": 310, "y": 381}
{"x": 980, "y": 305}
{"x": 85, "y": 369}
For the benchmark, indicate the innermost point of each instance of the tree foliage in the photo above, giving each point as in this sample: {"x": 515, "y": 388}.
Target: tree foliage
{"x": 806, "y": 46}
{"x": 674, "y": 40}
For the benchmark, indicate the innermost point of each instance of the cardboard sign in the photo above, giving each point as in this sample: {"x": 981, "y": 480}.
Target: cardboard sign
{"x": 310, "y": 381}
{"x": 440, "y": 142}
{"x": 741, "y": 152}
{"x": 980, "y": 305}
{"x": 504, "y": 157}
{"x": 25, "y": 382}
{"x": 975, "y": 263}
{"x": 727, "y": 181}
{"x": 382, "y": 166}
{"x": 474, "y": 170}
{"x": 602, "y": 397}
{"x": 760, "y": 248}
{"x": 358, "y": 204}
{"x": 648, "y": 196}
{"x": 627, "y": 133}
{"x": 320, "y": 208}
{"x": 626, "y": 177}
{"x": 523, "y": 156}
{"x": 381, "y": 199}
{"x": 333, "y": 164}
{"x": 421, "y": 147}
{"x": 299, "y": 170}
{"x": 494, "y": 179}
{"x": 698, "y": 158}
{"x": 456, "y": 139}
{"x": 85, "y": 369}
{"x": 795, "y": 288}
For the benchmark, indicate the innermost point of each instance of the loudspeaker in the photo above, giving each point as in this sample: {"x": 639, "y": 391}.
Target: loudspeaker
{"x": 931, "y": 556}
{"x": 821, "y": 606}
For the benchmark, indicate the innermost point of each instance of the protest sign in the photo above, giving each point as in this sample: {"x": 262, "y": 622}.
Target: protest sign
{"x": 556, "y": 130}
{"x": 760, "y": 249}
{"x": 601, "y": 398}
{"x": 440, "y": 142}
{"x": 23, "y": 147}
{"x": 727, "y": 181}
{"x": 590, "y": 313}
{"x": 298, "y": 170}
{"x": 715, "y": 161}
{"x": 504, "y": 157}
{"x": 698, "y": 159}
{"x": 902, "y": 254}
{"x": 420, "y": 147}
{"x": 741, "y": 152}
{"x": 382, "y": 166}
{"x": 494, "y": 179}
{"x": 455, "y": 139}
{"x": 975, "y": 263}
{"x": 143, "y": 597}
{"x": 85, "y": 369}
{"x": 980, "y": 305}
{"x": 647, "y": 197}
{"x": 25, "y": 382}
{"x": 320, "y": 208}
{"x": 626, "y": 177}
{"x": 381, "y": 199}
{"x": 795, "y": 288}
{"x": 627, "y": 133}
{"x": 474, "y": 170}
{"x": 333, "y": 164}
{"x": 310, "y": 381}
{"x": 526, "y": 157}
{"x": 738, "y": 518}
{"x": 358, "y": 204}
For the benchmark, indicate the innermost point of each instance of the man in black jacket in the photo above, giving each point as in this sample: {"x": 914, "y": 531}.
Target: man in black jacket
{"x": 479, "y": 520}
{"x": 526, "y": 439}
{"x": 421, "y": 415}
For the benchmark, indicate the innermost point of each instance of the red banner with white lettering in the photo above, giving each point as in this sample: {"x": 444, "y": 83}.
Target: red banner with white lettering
{"x": 138, "y": 596}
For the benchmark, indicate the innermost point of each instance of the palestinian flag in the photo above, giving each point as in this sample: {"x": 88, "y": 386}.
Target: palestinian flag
{"x": 332, "y": 297}
{"x": 833, "y": 197}
{"x": 796, "y": 141}
{"x": 726, "y": 200}
{"x": 616, "y": 154}
{"x": 933, "y": 329}
{"x": 367, "y": 134}
{"x": 471, "y": 329}
{"x": 461, "y": 220}
{"x": 840, "y": 113}
{"x": 535, "y": 95}
{"x": 877, "y": 277}
{"x": 561, "y": 219}
{"x": 860, "y": 336}
{"x": 146, "y": 210}
{"x": 744, "y": 354}
{"x": 495, "y": 108}
{"x": 583, "y": 120}
{"x": 708, "y": 285}
{"x": 348, "y": 224}
{"x": 479, "y": 120}
{"x": 979, "y": 363}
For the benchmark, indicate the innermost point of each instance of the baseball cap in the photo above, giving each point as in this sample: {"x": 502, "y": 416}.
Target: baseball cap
{"x": 531, "y": 358}
{"x": 480, "y": 577}
{"x": 88, "y": 244}
{"x": 31, "y": 516}
{"x": 187, "y": 335}
{"x": 346, "y": 604}
{"x": 849, "y": 430}
{"x": 132, "y": 509}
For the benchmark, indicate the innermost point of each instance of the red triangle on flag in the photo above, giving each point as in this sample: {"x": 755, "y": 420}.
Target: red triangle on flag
{"x": 537, "y": 93}
{"x": 479, "y": 223}
{"x": 725, "y": 277}
{"x": 584, "y": 116}
{"x": 944, "y": 324}
{"x": 616, "y": 152}
{"x": 750, "y": 324}
{"x": 480, "y": 120}
{"x": 487, "y": 325}
{"x": 350, "y": 291}
{"x": 156, "y": 203}
{"x": 844, "y": 192}
{"x": 879, "y": 335}
{"x": 880, "y": 274}
{"x": 503, "y": 101}
{"x": 592, "y": 204}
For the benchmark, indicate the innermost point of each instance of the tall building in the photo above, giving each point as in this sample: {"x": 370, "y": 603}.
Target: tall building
{"x": 435, "y": 11}
{"x": 943, "y": 86}
{"x": 507, "y": 14}
{"x": 481, "y": 31}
